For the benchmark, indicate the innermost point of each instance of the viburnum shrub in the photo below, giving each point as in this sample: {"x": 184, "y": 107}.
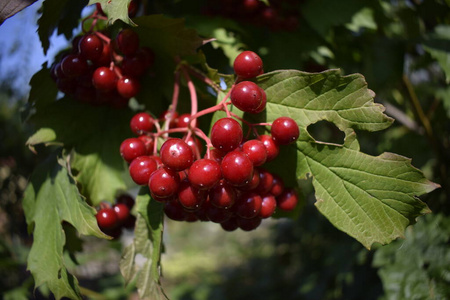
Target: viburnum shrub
{"x": 134, "y": 104}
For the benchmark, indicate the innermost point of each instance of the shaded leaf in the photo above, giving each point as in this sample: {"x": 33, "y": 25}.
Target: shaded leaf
{"x": 95, "y": 134}
{"x": 148, "y": 243}
{"x": 51, "y": 198}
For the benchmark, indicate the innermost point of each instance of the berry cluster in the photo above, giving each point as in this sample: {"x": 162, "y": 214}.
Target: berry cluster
{"x": 100, "y": 71}
{"x": 278, "y": 15}
{"x": 111, "y": 219}
{"x": 228, "y": 184}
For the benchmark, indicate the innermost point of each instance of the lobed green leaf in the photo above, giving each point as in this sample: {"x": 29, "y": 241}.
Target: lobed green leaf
{"x": 373, "y": 199}
{"x": 50, "y": 199}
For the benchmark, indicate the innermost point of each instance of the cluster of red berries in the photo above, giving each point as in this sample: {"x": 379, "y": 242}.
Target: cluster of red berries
{"x": 228, "y": 184}
{"x": 112, "y": 219}
{"x": 278, "y": 15}
{"x": 101, "y": 71}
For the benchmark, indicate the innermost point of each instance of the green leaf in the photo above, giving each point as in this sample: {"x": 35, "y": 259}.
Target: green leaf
{"x": 169, "y": 39}
{"x": 148, "y": 243}
{"x": 373, "y": 199}
{"x": 115, "y": 10}
{"x": 61, "y": 14}
{"x": 322, "y": 14}
{"x": 95, "y": 135}
{"x": 438, "y": 45}
{"x": 43, "y": 88}
{"x": 418, "y": 266}
{"x": 50, "y": 199}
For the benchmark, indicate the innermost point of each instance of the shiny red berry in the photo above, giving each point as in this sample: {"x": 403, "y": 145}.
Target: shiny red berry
{"x": 248, "y": 64}
{"x": 284, "y": 131}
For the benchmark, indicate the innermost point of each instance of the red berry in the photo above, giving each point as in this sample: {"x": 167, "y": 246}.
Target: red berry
{"x": 141, "y": 122}
{"x": 141, "y": 168}
{"x": 248, "y": 64}
{"x": 104, "y": 79}
{"x": 265, "y": 182}
{"x": 148, "y": 142}
{"x": 176, "y": 154}
{"x": 204, "y": 173}
{"x": 106, "y": 218}
{"x": 268, "y": 206}
{"x": 236, "y": 168}
{"x": 190, "y": 197}
{"x": 246, "y": 96}
{"x": 73, "y": 65}
{"x": 255, "y": 151}
{"x": 272, "y": 148}
{"x": 248, "y": 205}
{"x": 122, "y": 212}
{"x": 127, "y": 41}
{"x": 104, "y": 59}
{"x": 127, "y": 87}
{"x": 287, "y": 200}
{"x": 222, "y": 195}
{"x": 164, "y": 183}
{"x": 253, "y": 183}
{"x": 183, "y": 120}
{"x": 132, "y": 148}
{"x": 263, "y": 102}
{"x": 284, "y": 131}
{"x": 226, "y": 134}
{"x": 277, "y": 185}
{"x": 90, "y": 47}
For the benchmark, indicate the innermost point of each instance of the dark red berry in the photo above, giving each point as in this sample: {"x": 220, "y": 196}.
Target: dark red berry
{"x": 253, "y": 183}
{"x": 141, "y": 122}
{"x": 222, "y": 195}
{"x": 216, "y": 214}
{"x": 236, "y": 168}
{"x": 106, "y": 218}
{"x": 126, "y": 199}
{"x": 248, "y": 205}
{"x": 246, "y": 96}
{"x": 255, "y": 151}
{"x": 204, "y": 173}
{"x": 176, "y": 154}
{"x": 104, "y": 79}
{"x": 265, "y": 182}
{"x": 90, "y": 47}
{"x": 127, "y": 41}
{"x": 248, "y": 224}
{"x": 122, "y": 212}
{"x": 164, "y": 183}
{"x": 73, "y": 65}
{"x": 248, "y": 64}
{"x": 284, "y": 131}
{"x": 230, "y": 225}
{"x": 272, "y": 148}
{"x": 141, "y": 168}
{"x": 133, "y": 66}
{"x": 226, "y": 134}
{"x": 174, "y": 210}
{"x": 128, "y": 87}
{"x": 104, "y": 59}
{"x": 288, "y": 200}
{"x": 132, "y": 148}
